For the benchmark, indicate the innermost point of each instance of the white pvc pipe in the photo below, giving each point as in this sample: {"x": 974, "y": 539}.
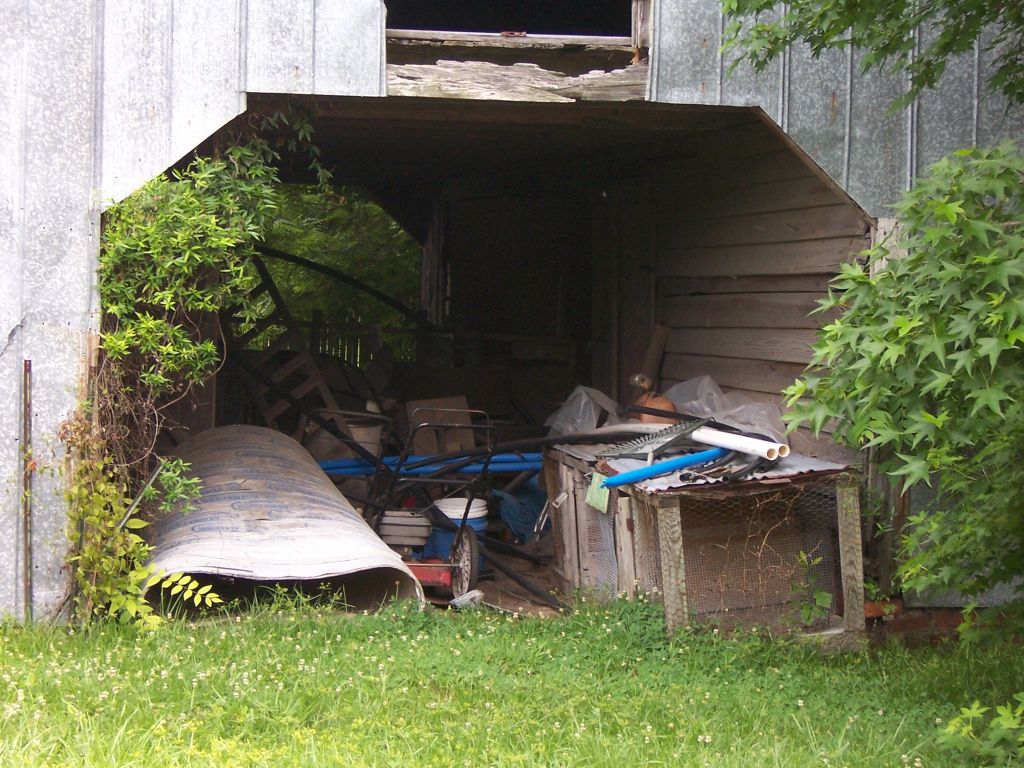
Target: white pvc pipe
{"x": 751, "y": 445}
{"x": 709, "y": 436}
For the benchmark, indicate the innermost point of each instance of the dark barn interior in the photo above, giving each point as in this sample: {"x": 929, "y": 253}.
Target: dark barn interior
{"x": 557, "y": 236}
{"x": 570, "y": 17}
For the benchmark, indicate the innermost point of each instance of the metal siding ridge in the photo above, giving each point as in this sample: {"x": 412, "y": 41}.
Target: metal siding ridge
{"x": 976, "y": 94}
{"x": 169, "y": 88}
{"x": 783, "y": 88}
{"x": 719, "y": 60}
{"x": 312, "y": 38}
{"x": 99, "y": 62}
{"x": 911, "y": 110}
{"x": 848, "y": 127}
{"x": 243, "y": 52}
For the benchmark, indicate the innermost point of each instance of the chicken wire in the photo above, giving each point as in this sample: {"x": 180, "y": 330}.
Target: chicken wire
{"x": 765, "y": 559}
{"x": 646, "y": 551}
{"x": 768, "y": 559}
{"x": 599, "y": 573}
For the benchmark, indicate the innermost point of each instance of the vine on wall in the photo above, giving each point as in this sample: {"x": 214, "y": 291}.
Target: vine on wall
{"x": 173, "y": 255}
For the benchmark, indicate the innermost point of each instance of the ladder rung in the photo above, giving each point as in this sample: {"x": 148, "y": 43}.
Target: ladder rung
{"x": 300, "y": 360}
{"x": 260, "y": 326}
{"x": 305, "y": 387}
{"x": 275, "y": 410}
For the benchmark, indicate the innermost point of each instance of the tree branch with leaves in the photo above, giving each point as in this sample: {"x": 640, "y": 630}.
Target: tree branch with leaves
{"x": 925, "y": 362}
{"x": 888, "y": 35}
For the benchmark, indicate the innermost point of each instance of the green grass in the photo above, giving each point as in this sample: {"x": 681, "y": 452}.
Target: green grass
{"x": 300, "y": 686}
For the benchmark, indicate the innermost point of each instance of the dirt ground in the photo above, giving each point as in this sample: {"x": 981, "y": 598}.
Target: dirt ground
{"x": 503, "y": 592}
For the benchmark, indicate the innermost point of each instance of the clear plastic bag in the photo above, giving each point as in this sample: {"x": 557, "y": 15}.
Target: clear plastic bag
{"x": 702, "y": 397}
{"x": 583, "y": 411}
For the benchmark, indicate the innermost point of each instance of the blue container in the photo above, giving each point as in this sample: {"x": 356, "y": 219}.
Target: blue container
{"x": 439, "y": 543}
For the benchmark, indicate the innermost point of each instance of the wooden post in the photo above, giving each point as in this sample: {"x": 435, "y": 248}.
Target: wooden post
{"x": 623, "y": 510}
{"x": 655, "y": 352}
{"x": 673, "y": 566}
{"x": 316, "y": 325}
{"x": 570, "y": 543}
{"x": 850, "y": 555}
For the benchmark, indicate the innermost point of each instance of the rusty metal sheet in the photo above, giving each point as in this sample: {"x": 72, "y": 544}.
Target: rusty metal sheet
{"x": 268, "y": 513}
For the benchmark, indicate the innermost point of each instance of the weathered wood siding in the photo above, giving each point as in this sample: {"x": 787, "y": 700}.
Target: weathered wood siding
{"x": 747, "y": 238}
{"x": 622, "y": 279}
{"x": 515, "y": 264}
{"x": 519, "y": 302}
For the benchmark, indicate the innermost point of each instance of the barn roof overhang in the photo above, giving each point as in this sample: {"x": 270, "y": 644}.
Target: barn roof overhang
{"x": 405, "y": 150}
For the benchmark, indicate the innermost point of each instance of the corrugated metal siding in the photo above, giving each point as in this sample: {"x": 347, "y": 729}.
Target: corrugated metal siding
{"x": 840, "y": 117}
{"x": 315, "y": 46}
{"x": 96, "y": 98}
{"x": 13, "y": 91}
{"x": 48, "y": 235}
{"x": 174, "y": 72}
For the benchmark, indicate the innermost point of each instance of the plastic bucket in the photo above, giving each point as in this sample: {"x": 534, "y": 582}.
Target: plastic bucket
{"x": 366, "y": 430}
{"x": 439, "y": 544}
{"x": 454, "y": 509}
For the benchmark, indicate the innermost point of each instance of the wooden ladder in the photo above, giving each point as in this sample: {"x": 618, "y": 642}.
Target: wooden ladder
{"x": 305, "y": 380}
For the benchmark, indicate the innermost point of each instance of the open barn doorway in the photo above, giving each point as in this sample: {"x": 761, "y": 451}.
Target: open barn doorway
{"x": 542, "y": 246}
{"x": 555, "y": 238}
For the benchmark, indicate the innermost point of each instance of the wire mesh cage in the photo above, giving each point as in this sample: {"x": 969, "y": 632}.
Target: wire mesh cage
{"x": 751, "y": 555}
{"x": 768, "y": 559}
{"x": 643, "y": 525}
{"x": 598, "y": 563}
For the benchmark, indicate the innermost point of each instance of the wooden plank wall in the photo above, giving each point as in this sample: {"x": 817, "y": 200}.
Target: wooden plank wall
{"x": 517, "y": 264}
{"x": 747, "y": 238}
{"x": 622, "y": 282}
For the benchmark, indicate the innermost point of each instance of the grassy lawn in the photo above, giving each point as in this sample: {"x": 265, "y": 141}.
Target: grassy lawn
{"x": 297, "y": 686}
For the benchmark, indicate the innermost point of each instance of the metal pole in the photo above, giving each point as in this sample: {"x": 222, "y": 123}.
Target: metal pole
{"x": 28, "y": 468}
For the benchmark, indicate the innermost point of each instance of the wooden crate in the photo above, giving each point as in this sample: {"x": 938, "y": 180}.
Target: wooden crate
{"x": 745, "y": 554}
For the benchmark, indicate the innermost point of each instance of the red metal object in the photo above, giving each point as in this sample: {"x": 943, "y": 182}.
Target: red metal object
{"x": 432, "y": 573}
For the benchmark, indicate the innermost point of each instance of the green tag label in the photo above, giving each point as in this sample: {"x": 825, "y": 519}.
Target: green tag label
{"x": 597, "y": 497}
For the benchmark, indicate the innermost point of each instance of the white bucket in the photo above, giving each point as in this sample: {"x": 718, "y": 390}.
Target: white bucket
{"x": 454, "y": 509}
{"x": 440, "y": 542}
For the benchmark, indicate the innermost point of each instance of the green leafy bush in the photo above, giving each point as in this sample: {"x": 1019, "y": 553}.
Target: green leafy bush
{"x": 993, "y": 741}
{"x": 925, "y": 363}
{"x": 108, "y": 557}
{"x": 347, "y": 230}
{"x": 174, "y": 253}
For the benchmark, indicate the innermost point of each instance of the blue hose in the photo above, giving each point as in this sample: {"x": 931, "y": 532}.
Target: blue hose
{"x": 664, "y": 467}
{"x": 390, "y": 461}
